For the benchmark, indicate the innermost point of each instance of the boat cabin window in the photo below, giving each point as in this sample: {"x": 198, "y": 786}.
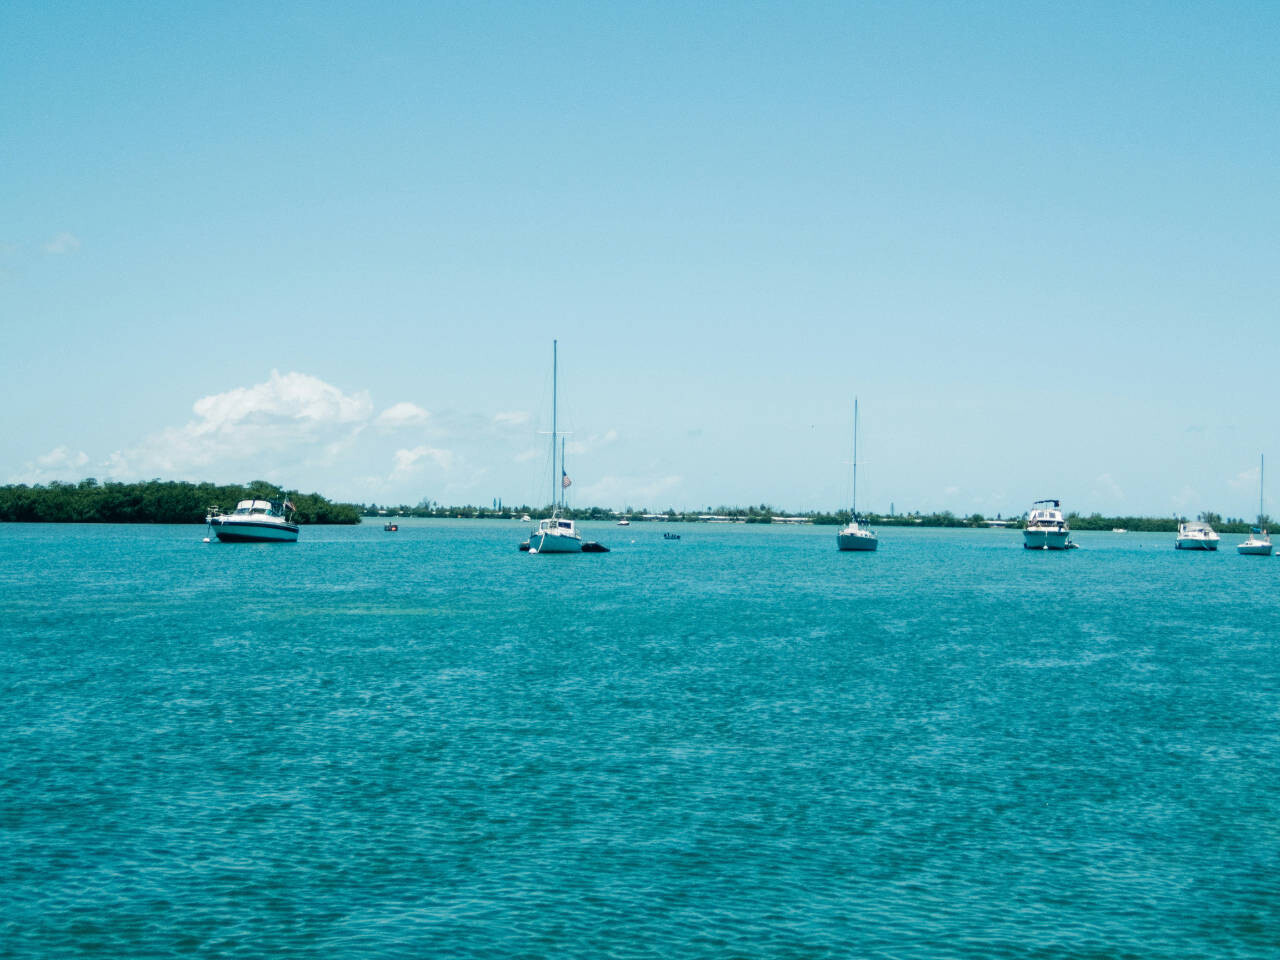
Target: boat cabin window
{"x": 566, "y": 524}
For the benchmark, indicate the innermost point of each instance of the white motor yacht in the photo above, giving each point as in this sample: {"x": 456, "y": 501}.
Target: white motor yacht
{"x": 1047, "y": 528}
{"x": 1196, "y": 535}
{"x": 261, "y": 521}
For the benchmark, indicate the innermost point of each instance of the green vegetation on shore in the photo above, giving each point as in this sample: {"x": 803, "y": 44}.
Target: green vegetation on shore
{"x": 153, "y": 501}
{"x": 170, "y": 501}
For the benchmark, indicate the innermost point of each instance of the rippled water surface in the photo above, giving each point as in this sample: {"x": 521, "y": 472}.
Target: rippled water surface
{"x": 741, "y": 743}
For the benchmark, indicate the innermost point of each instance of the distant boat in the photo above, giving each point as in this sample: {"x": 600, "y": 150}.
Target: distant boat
{"x": 525, "y": 518}
{"x": 855, "y": 536}
{"x": 1196, "y": 535}
{"x": 255, "y": 521}
{"x": 1047, "y": 528}
{"x": 1119, "y": 530}
{"x": 390, "y": 527}
{"x": 1259, "y": 542}
{"x": 624, "y": 522}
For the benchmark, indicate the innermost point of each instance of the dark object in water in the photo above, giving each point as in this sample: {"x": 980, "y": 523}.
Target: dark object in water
{"x": 590, "y": 546}
{"x": 525, "y": 545}
{"x": 390, "y": 527}
{"x": 671, "y": 536}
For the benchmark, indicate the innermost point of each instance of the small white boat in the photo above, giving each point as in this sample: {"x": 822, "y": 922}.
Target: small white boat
{"x": 526, "y": 519}
{"x": 1196, "y": 535}
{"x": 855, "y": 536}
{"x": 1119, "y": 530}
{"x": 255, "y": 521}
{"x": 624, "y": 522}
{"x": 1259, "y": 542}
{"x": 1047, "y": 528}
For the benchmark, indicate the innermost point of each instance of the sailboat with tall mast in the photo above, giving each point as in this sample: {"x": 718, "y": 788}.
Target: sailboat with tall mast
{"x": 855, "y": 536}
{"x": 1259, "y": 542}
{"x": 556, "y": 534}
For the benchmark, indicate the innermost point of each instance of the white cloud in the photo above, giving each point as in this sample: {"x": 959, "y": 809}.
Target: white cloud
{"x": 288, "y": 417}
{"x": 408, "y": 462}
{"x": 403, "y": 414}
{"x": 524, "y": 456}
{"x": 511, "y": 418}
{"x": 1246, "y": 480}
{"x": 60, "y": 463}
{"x": 292, "y": 396}
{"x": 62, "y": 457}
{"x": 591, "y": 442}
{"x": 636, "y": 491}
{"x": 62, "y": 243}
{"x": 1105, "y": 487}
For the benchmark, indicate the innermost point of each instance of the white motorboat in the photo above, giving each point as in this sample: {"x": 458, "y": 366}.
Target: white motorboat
{"x": 1259, "y": 542}
{"x": 624, "y": 522}
{"x": 1047, "y": 528}
{"x": 255, "y": 521}
{"x": 1196, "y": 535}
{"x": 855, "y": 536}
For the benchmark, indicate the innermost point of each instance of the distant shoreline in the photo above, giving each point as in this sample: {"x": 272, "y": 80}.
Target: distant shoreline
{"x": 184, "y": 502}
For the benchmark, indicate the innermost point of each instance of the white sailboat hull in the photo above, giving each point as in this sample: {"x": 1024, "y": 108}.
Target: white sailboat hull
{"x": 1255, "y": 548}
{"x": 856, "y": 540}
{"x": 553, "y": 542}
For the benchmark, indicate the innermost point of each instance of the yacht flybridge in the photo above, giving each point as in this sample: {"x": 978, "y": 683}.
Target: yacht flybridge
{"x": 1047, "y": 528}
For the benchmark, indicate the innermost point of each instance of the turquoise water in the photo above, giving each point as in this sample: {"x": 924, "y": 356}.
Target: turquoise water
{"x": 738, "y": 744}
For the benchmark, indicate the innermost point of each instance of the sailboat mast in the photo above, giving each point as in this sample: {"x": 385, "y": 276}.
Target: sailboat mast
{"x": 1262, "y": 476}
{"x": 562, "y": 473}
{"x": 855, "y": 458}
{"x": 554, "y": 371}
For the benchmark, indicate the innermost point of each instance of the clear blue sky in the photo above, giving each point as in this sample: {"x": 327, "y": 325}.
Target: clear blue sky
{"x": 330, "y": 246}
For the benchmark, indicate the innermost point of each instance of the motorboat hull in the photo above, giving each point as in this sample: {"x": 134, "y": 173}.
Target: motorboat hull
{"x": 1194, "y": 543}
{"x": 1255, "y": 548}
{"x": 1046, "y": 539}
{"x": 856, "y": 541}
{"x": 253, "y": 531}
{"x": 554, "y": 543}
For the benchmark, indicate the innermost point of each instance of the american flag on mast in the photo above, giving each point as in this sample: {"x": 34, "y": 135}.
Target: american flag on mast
{"x": 565, "y": 482}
